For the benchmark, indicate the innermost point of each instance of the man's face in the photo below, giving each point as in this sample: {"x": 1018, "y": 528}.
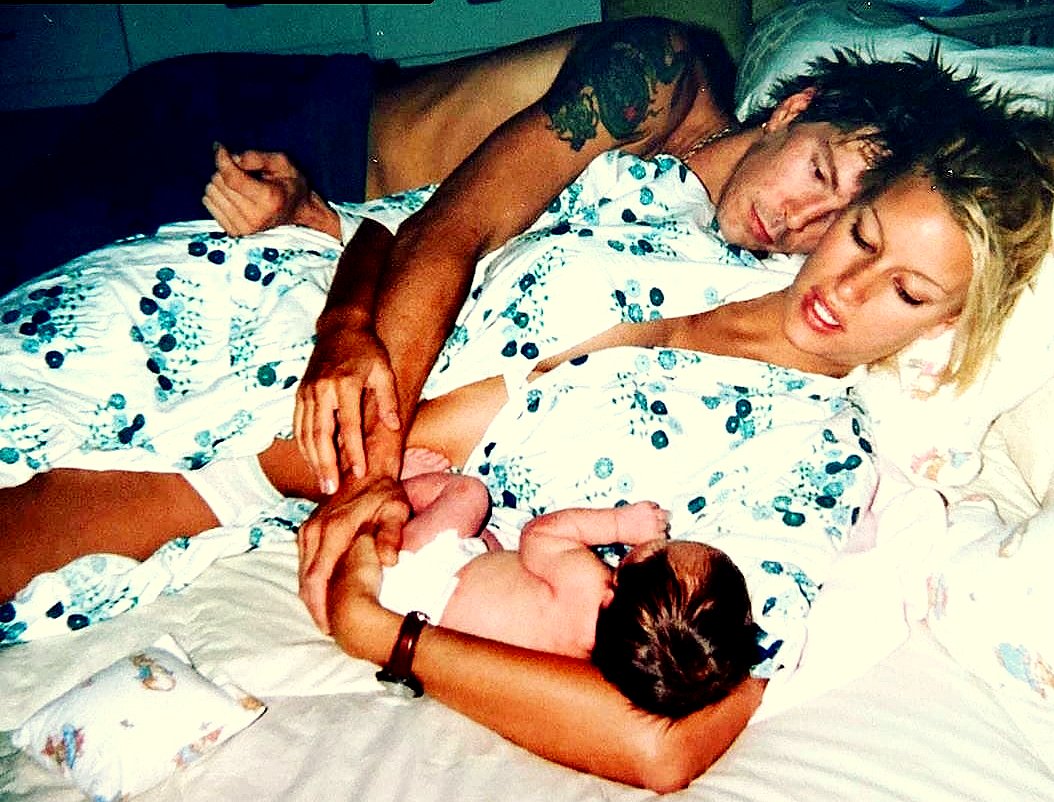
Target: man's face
{"x": 790, "y": 186}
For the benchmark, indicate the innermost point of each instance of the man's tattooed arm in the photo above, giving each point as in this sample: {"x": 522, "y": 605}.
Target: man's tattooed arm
{"x": 613, "y": 77}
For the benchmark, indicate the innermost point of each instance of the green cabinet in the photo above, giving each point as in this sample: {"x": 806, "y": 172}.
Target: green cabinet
{"x": 54, "y": 55}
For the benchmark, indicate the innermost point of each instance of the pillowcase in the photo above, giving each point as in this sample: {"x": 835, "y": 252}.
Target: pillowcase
{"x": 784, "y": 42}
{"x": 130, "y": 725}
{"x": 989, "y": 606}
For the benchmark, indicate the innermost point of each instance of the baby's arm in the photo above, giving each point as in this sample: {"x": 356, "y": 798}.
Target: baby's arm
{"x": 583, "y": 526}
{"x": 553, "y": 546}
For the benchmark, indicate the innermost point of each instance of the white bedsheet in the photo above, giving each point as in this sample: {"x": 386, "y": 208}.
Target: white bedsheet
{"x": 888, "y": 718}
{"x": 915, "y": 726}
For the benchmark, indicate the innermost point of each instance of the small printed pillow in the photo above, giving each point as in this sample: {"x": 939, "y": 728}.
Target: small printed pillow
{"x": 129, "y": 726}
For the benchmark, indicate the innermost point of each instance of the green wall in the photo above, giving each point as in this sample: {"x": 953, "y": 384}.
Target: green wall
{"x": 730, "y": 18}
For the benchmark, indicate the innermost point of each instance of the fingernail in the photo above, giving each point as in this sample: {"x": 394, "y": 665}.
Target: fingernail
{"x": 329, "y": 487}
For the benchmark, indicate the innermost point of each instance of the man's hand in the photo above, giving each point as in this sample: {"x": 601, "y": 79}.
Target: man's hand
{"x": 347, "y": 362}
{"x": 256, "y": 190}
{"x": 375, "y": 508}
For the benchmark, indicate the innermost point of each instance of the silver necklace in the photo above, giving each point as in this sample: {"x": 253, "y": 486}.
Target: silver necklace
{"x": 708, "y": 140}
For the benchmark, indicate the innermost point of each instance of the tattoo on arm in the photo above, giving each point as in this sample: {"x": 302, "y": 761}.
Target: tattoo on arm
{"x": 610, "y": 78}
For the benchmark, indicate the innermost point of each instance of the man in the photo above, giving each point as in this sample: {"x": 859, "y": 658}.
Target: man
{"x": 343, "y": 126}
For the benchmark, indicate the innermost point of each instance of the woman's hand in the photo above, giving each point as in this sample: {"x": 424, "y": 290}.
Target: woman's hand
{"x": 363, "y": 628}
{"x": 357, "y": 578}
{"x": 348, "y": 362}
{"x": 256, "y": 190}
{"x": 375, "y": 509}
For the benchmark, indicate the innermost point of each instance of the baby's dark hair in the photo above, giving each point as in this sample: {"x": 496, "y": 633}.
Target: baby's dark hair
{"x": 674, "y": 644}
{"x": 905, "y": 108}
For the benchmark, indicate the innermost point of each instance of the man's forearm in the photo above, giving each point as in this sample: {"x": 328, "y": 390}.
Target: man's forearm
{"x": 419, "y": 298}
{"x": 353, "y": 292}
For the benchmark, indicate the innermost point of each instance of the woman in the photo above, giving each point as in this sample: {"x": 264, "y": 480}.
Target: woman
{"x": 951, "y": 242}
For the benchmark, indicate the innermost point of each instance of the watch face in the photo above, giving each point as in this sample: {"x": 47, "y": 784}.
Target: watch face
{"x": 399, "y": 689}
{"x": 403, "y": 687}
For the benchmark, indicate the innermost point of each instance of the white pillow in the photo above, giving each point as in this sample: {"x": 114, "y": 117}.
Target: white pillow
{"x": 990, "y": 605}
{"x": 1025, "y": 434}
{"x": 787, "y": 40}
{"x": 130, "y": 725}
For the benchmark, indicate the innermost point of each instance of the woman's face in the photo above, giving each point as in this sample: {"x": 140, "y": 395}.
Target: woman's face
{"x": 789, "y": 187}
{"x": 886, "y": 273}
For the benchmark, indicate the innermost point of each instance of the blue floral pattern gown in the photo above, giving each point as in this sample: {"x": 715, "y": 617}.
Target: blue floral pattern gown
{"x": 169, "y": 352}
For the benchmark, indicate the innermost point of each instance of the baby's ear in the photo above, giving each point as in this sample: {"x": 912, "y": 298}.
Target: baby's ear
{"x": 609, "y": 595}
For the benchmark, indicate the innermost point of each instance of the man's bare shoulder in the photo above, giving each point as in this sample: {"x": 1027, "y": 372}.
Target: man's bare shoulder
{"x": 426, "y": 121}
{"x": 616, "y": 82}
{"x": 631, "y": 80}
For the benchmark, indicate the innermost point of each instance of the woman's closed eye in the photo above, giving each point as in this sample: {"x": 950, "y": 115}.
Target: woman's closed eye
{"x": 906, "y": 296}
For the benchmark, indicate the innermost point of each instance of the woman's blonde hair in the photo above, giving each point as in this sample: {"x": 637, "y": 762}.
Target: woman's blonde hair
{"x": 997, "y": 178}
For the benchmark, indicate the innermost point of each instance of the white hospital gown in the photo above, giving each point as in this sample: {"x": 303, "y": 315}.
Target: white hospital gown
{"x": 631, "y": 240}
{"x": 160, "y": 353}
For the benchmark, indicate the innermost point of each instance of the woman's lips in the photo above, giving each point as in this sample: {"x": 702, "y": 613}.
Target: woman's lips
{"x": 818, "y": 314}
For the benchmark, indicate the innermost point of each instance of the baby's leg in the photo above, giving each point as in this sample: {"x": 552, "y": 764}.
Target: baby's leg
{"x": 422, "y": 460}
{"x": 443, "y": 501}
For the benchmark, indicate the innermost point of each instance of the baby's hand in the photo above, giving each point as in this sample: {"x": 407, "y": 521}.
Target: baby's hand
{"x": 641, "y": 522}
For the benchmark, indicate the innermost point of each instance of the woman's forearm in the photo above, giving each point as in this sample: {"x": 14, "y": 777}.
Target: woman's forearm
{"x": 557, "y": 707}
{"x": 562, "y": 709}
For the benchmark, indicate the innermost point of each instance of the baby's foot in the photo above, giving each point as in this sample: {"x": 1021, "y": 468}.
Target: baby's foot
{"x": 641, "y": 522}
{"x": 422, "y": 460}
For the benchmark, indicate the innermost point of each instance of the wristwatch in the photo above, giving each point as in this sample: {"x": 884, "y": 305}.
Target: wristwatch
{"x": 397, "y": 675}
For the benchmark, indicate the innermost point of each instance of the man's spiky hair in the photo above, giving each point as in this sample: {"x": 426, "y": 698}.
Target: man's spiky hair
{"x": 907, "y": 108}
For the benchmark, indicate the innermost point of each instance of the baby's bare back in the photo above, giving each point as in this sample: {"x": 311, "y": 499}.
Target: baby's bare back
{"x": 498, "y": 598}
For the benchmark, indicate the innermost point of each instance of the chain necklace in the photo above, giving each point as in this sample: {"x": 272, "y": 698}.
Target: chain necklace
{"x": 707, "y": 140}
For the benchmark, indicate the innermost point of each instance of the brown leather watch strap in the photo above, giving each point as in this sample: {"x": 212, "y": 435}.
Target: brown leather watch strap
{"x": 399, "y": 668}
